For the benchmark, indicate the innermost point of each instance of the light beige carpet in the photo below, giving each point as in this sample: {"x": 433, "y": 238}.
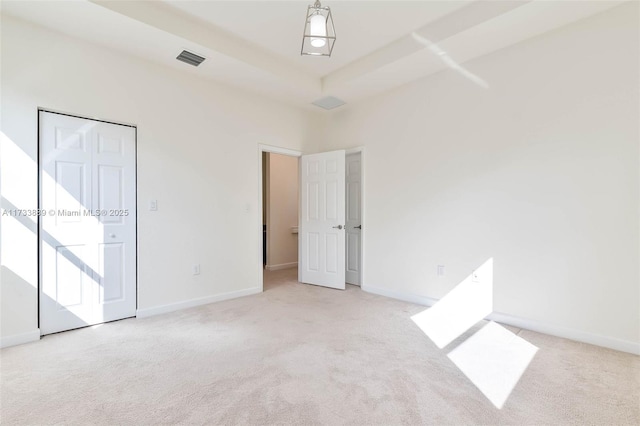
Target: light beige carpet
{"x": 298, "y": 354}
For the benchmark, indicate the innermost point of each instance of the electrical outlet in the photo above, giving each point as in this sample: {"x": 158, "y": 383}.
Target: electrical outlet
{"x": 196, "y": 269}
{"x": 440, "y": 270}
{"x": 153, "y": 205}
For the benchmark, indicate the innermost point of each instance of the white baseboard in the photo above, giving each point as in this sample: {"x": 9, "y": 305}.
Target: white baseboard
{"x": 19, "y": 339}
{"x": 567, "y": 333}
{"x": 406, "y": 297}
{"x": 281, "y": 266}
{"x": 527, "y": 324}
{"x": 163, "y": 309}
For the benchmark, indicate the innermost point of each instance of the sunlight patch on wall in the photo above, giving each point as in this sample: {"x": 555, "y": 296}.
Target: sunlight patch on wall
{"x": 465, "y": 305}
{"x": 448, "y": 61}
{"x": 19, "y": 171}
{"x": 80, "y": 269}
{"x": 19, "y": 238}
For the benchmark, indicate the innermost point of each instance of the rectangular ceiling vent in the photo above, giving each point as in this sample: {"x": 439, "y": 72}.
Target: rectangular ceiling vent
{"x": 190, "y": 58}
{"x": 329, "y": 102}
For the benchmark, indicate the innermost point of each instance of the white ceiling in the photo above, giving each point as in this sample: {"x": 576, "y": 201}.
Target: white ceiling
{"x": 277, "y": 26}
{"x": 255, "y": 45}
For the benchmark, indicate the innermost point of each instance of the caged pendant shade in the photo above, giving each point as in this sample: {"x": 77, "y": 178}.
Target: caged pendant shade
{"x": 319, "y": 33}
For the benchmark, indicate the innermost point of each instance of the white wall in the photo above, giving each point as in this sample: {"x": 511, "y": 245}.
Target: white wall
{"x": 539, "y": 172}
{"x": 282, "y": 248}
{"x": 197, "y": 155}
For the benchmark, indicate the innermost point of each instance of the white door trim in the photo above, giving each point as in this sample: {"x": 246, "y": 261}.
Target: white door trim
{"x": 274, "y": 150}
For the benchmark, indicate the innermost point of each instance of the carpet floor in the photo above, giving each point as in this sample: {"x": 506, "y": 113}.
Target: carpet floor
{"x": 299, "y": 354}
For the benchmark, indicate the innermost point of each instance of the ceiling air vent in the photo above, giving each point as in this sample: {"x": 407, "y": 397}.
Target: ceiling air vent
{"x": 329, "y": 102}
{"x": 190, "y": 58}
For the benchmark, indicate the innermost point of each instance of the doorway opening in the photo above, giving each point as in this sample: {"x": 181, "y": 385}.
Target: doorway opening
{"x": 326, "y": 193}
{"x": 280, "y": 187}
{"x": 267, "y": 260}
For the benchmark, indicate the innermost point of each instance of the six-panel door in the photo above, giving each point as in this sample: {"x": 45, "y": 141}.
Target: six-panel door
{"x": 322, "y": 221}
{"x": 88, "y": 226}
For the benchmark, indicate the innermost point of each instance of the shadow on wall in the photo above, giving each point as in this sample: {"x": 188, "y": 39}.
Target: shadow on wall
{"x": 19, "y": 279}
{"x": 493, "y": 358}
{"x": 19, "y": 241}
{"x": 8, "y": 209}
{"x": 18, "y": 289}
{"x": 21, "y": 289}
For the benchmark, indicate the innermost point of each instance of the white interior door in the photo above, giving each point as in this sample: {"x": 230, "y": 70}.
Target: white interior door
{"x": 353, "y": 216}
{"x": 88, "y": 235}
{"x": 322, "y": 214}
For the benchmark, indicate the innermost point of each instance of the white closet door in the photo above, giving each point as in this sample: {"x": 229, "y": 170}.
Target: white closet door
{"x": 88, "y": 235}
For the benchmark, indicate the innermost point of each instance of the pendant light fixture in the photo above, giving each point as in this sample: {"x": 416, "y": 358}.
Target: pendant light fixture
{"x": 319, "y": 33}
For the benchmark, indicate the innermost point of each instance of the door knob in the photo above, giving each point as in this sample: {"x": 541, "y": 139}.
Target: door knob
{"x": 357, "y": 227}
{"x": 337, "y": 227}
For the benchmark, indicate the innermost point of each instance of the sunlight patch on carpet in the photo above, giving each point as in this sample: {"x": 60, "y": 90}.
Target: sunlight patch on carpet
{"x": 494, "y": 359}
